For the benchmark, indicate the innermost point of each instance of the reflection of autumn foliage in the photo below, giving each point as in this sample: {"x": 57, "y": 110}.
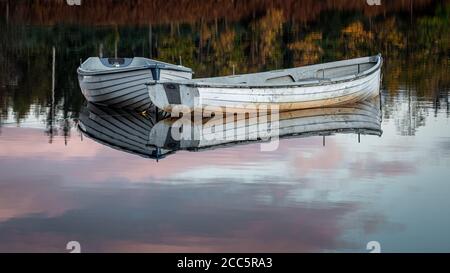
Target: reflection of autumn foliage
{"x": 392, "y": 72}
{"x": 422, "y": 79}
{"x": 433, "y": 31}
{"x": 205, "y": 34}
{"x": 223, "y": 51}
{"x": 142, "y": 12}
{"x": 356, "y": 39}
{"x": 267, "y": 30}
{"x": 390, "y": 36}
{"x": 172, "y": 48}
{"x": 307, "y": 51}
{"x": 256, "y": 37}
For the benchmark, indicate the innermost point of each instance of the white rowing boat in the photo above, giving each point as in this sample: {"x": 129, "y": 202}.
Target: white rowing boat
{"x": 120, "y": 82}
{"x": 319, "y": 85}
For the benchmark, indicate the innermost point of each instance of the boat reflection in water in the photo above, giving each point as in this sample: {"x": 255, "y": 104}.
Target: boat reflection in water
{"x": 156, "y": 135}
{"x": 123, "y": 130}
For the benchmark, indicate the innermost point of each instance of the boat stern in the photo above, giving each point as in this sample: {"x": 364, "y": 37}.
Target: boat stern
{"x": 174, "y": 97}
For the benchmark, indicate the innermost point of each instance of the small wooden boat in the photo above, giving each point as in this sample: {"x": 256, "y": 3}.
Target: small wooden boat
{"x": 363, "y": 118}
{"x": 319, "y": 85}
{"x": 126, "y": 131}
{"x": 120, "y": 82}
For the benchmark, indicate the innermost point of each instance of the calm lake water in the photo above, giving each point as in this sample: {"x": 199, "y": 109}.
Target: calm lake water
{"x": 59, "y": 185}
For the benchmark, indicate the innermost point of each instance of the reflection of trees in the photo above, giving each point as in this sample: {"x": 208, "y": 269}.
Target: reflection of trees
{"x": 416, "y": 54}
{"x": 422, "y": 82}
{"x": 142, "y": 12}
{"x": 174, "y": 45}
{"x": 433, "y": 31}
{"x": 266, "y": 42}
{"x": 307, "y": 51}
{"x": 224, "y": 49}
{"x": 26, "y": 82}
{"x": 389, "y": 37}
{"x": 406, "y": 110}
{"x": 356, "y": 40}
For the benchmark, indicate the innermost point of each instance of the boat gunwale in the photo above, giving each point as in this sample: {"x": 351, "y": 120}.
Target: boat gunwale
{"x": 113, "y": 70}
{"x": 84, "y": 72}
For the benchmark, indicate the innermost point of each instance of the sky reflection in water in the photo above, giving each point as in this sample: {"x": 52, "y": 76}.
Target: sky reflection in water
{"x": 302, "y": 197}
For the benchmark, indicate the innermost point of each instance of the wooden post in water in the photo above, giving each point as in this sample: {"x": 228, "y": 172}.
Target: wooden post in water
{"x": 53, "y": 73}
{"x": 359, "y": 137}
{"x": 7, "y": 12}
{"x": 323, "y": 141}
{"x": 52, "y": 106}
{"x": 116, "y": 41}
{"x": 216, "y": 27}
{"x": 150, "y": 34}
{"x": 115, "y": 49}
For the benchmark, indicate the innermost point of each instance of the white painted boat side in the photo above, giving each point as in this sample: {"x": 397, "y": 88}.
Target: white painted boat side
{"x": 126, "y": 89}
{"x": 231, "y": 96}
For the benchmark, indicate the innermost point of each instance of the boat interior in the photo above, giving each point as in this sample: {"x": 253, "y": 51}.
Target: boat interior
{"x": 96, "y": 64}
{"x": 319, "y": 72}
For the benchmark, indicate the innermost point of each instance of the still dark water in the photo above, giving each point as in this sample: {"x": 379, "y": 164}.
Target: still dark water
{"x": 57, "y": 185}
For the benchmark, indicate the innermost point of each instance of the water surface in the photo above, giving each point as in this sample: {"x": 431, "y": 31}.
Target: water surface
{"x": 57, "y": 185}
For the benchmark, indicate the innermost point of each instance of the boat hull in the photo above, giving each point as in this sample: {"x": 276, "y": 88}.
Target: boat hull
{"x": 124, "y": 89}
